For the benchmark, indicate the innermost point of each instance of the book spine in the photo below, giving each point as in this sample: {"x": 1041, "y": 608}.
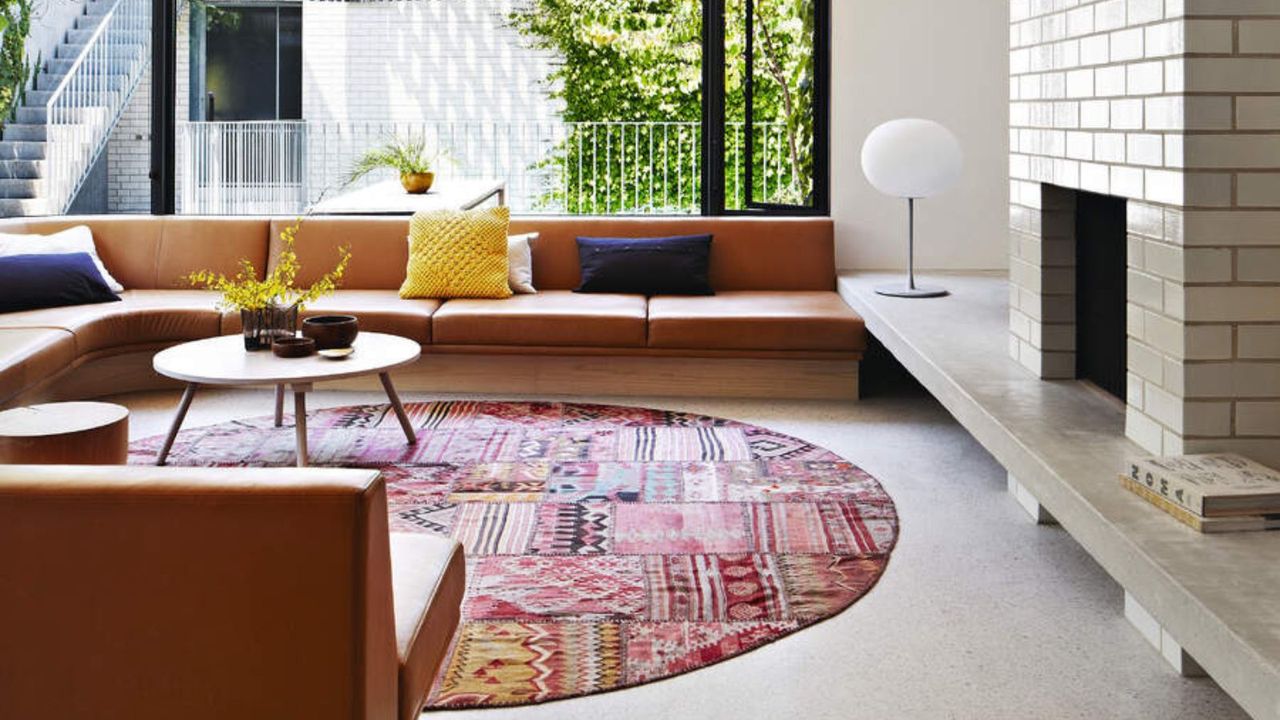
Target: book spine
{"x": 1179, "y": 513}
{"x": 1170, "y": 488}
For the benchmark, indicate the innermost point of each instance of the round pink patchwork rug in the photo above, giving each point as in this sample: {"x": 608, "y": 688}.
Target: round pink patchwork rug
{"x": 606, "y": 546}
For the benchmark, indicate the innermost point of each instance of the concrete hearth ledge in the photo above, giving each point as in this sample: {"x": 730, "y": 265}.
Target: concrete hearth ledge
{"x": 1217, "y": 596}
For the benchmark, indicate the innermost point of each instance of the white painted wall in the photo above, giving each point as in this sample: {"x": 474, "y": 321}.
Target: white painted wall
{"x": 946, "y": 60}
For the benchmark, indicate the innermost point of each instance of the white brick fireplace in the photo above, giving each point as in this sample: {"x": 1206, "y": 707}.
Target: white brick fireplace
{"x": 1173, "y": 105}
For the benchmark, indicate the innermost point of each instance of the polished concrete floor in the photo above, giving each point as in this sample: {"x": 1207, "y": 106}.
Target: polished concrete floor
{"x": 981, "y": 614}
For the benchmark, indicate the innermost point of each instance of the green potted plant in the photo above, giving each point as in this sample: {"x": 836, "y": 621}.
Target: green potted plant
{"x": 269, "y": 307}
{"x": 407, "y": 155}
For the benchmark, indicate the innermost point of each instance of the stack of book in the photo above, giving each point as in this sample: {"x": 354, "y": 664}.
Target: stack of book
{"x": 1211, "y": 493}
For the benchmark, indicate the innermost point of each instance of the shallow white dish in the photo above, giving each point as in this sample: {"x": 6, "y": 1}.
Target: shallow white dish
{"x": 336, "y": 353}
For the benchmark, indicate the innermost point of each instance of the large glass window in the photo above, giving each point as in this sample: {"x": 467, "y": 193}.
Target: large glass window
{"x": 75, "y": 116}
{"x": 772, "y": 109}
{"x": 572, "y": 106}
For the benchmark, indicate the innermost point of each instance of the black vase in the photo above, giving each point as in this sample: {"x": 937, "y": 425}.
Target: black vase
{"x": 264, "y": 325}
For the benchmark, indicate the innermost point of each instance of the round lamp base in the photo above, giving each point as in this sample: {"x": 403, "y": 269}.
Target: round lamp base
{"x": 920, "y": 291}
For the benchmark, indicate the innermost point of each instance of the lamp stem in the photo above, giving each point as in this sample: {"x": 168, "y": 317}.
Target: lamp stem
{"x": 911, "y": 243}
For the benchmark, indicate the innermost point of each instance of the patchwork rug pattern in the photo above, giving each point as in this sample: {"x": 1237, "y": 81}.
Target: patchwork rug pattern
{"x": 606, "y": 546}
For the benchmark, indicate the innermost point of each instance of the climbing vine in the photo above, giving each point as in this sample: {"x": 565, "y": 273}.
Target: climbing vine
{"x": 15, "y": 25}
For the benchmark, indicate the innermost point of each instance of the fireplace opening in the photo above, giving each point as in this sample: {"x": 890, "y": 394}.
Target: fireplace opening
{"x": 1100, "y": 290}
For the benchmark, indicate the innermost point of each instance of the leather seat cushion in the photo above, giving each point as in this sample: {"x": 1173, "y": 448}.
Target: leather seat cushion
{"x": 141, "y": 317}
{"x": 378, "y": 311}
{"x": 29, "y": 355}
{"x": 550, "y": 318}
{"x": 428, "y": 578}
{"x": 756, "y": 320}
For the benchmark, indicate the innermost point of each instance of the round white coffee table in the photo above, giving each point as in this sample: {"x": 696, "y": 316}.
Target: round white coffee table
{"x": 224, "y": 361}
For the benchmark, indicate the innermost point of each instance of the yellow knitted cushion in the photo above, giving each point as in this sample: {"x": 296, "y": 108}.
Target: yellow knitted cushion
{"x": 458, "y": 254}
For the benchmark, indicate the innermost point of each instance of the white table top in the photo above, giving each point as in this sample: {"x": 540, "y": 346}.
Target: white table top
{"x": 224, "y": 361}
{"x": 389, "y": 198}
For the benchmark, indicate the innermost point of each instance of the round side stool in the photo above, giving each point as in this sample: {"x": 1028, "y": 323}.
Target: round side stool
{"x": 68, "y": 433}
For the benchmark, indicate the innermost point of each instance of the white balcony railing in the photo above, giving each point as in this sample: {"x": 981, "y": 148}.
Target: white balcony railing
{"x": 575, "y": 168}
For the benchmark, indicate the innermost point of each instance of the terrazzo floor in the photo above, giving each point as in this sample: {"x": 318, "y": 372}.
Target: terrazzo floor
{"x": 981, "y": 614}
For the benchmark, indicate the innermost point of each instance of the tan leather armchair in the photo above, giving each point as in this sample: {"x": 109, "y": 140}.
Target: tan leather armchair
{"x": 139, "y": 593}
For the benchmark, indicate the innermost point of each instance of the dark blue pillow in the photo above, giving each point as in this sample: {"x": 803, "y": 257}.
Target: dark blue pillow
{"x": 31, "y": 282}
{"x": 646, "y": 266}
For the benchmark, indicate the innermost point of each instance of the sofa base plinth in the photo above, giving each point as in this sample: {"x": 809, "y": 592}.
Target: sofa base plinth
{"x": 572, "y": 375}
{"x": 95, "y": 376}
{"x": 625, "y": 376}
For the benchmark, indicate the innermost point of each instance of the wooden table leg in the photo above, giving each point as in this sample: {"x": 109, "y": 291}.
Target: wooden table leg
{"x": 399, "y": 408}
{"x": 183, "y": 406}
{"x": 279, "y": 405}
{"x": 300, "y": 422}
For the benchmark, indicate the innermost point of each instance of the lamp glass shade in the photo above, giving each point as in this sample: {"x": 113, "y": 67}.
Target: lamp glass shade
{"x": 912, "y": 158}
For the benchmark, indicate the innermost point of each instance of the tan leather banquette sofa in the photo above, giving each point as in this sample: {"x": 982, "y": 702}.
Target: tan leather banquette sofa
{"x": 148, "y": 593}
{"x": 775, "y": 327}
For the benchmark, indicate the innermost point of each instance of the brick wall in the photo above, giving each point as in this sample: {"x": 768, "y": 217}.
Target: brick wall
{"x": 1174, "y": 105}
{"x": 425, "y": 60}
{"x": 129, "y": 149}
{"x": 446, "y": 70}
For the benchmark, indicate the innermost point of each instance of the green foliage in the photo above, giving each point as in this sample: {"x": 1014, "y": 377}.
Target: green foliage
{"x": 623, "y": 59}
{"x": 782, "y": 93}
{"x": 641, "y": 61}
{"x": 14, "y": 70}
{"x": 405, "y": 155}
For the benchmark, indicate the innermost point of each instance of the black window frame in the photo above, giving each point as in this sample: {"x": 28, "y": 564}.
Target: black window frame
{"x": 713, "y": 116}
{"x": 164, "y": 132}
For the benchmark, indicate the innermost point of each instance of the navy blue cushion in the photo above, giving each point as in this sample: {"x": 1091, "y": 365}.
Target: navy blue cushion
{"x": 30, "y": 282}
{"x": 646, "y": 266}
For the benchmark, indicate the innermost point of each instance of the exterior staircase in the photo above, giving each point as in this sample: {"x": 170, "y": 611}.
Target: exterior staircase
{"x": 63, "y": 125}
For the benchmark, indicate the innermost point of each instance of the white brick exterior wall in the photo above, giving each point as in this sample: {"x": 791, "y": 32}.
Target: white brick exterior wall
{"x": 129, "y": 149}
{"x": 1174, "y": 105}
{"x": 415, "y": 60}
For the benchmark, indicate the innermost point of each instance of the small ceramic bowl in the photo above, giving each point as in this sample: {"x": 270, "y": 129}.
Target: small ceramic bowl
{"x": 331, "y": 331}
{"x": 293, "y": 347}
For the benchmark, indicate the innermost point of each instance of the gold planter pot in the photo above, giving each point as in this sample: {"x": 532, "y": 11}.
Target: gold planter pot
{"x": 417, "y": 183}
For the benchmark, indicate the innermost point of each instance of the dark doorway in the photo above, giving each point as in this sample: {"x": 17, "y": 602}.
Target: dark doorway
{"x": 1101, "y": 284}
{"x": 253, "y": 64}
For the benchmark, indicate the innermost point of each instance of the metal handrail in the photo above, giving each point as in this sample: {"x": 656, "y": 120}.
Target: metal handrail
{"x": 86, "y": 105}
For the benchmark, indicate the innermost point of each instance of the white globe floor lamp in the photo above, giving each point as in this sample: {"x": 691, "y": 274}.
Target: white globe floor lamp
{"x": 913, "y": 159}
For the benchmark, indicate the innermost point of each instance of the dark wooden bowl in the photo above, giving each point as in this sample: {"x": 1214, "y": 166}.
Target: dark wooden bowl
{"x": 293, "y": 347}
{"x": 331, "y": 331}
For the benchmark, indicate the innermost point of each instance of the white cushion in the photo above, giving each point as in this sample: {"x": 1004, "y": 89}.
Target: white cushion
{"x": 520, "y": 263}
{"x": 78, "y": 239}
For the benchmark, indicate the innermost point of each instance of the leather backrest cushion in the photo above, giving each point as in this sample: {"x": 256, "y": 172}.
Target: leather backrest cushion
{"x": 379, "y": 249}
{"x": 208, "y": 243}
{"x": 746, "y": 253}
{"x": 146, "y": 252}
{"x": 143, "y": 589}
{"x": 128, "y": 244}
